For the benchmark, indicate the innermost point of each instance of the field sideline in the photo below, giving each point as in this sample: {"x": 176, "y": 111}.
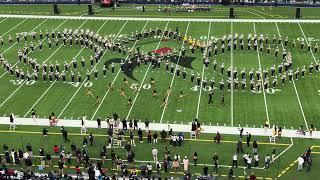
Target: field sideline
{"x": 302, "y": 112}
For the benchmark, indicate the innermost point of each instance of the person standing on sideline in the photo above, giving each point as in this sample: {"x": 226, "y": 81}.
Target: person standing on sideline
{"x": 230, "y": 174}
{"x": 240, "y": 132}
{"x": 248, "y": 138}
{"x": 267, "y": 161}
{"x": 132, "y": 139}
{"x": 91, "y": 139}
{"x": 273, "y": 155}
{"x": 158, "y": 166}
{"x": 154, "y": 152}
{"x": 300, "y": 163}
{"x": 255, "y": 147}
{"x": 155, "y": 137}
{"x": 99, "y": 123}
{"x": 195, "y": 158}
{"x": 65, "y": 135}
{"x": 256, "y": 160}
{"x": 186, "y": 164}
{"x": 239, "y": 147}
{"x": 135, "y": 124}
{"x": 235, "y": 160}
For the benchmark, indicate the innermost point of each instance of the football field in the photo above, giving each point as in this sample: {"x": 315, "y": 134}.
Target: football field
{"x": 290, "y": 105}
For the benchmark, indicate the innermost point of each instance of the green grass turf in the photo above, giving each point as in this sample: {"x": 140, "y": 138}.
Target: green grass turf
{"x": 205, "y": 147}
{"x": 134, "y": 10}
{"x": 248, "y": 108}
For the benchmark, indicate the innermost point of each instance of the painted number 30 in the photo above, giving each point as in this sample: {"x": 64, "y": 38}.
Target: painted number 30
{"x": 21, "y": 81}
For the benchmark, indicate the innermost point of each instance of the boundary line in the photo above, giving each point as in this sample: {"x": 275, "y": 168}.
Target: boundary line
{"x": 173, "y": 76}
{"x": 165, "y": 19}
{"x": 262, "y": 80}
{"x": 295, "y": 88}
{"x": 55, "y": 80}
{"x": 114, "y": 79}
{"x": 145, "y": 75}
{"x": 203, "y": 67}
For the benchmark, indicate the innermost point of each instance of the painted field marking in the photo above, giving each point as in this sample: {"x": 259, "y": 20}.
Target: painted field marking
{"x": 314, "y": 58}
{"x": 174, "y": 75}
{"x": 262, "y": 80}
{"x": 84, "y": 81}
{"x": 14, "y": 27}
{"x": 54, "y": 81}
{"x": 202, "y": 74}
{"x": 28, "y": 33}
{"x": 114, "y": 79}
{"x": 294, "y": 84}
{"x": 176, "y": 19}
{"x": 145, "y": 75}
{"x": 232, "y": 80}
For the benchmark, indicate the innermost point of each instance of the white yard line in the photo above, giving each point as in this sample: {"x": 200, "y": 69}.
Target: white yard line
{"x": 295, "y": 88}
{"x": 314, "y": 58}
{"x": 262, "y": 80}
{"x": 36, "y": 45}
{"x": 202, "y": 74}
{"x": 114, "y": 79}
{"x": 173, "y": 76}
{"x": 283, "y": 151}
{"x": 3, "y": 20}
{"x": 12, "y": 94}
{"x": 166, "y": 19}
{"x": 28, "y": 33}
{"x": 253, "y": 13}
{"x": 86, "y": 79}
{"x": 55, "y": 80}
{"x": 14, "y": 27}
{"x": 145, "y": 75}
{"x": 232, "y": 80}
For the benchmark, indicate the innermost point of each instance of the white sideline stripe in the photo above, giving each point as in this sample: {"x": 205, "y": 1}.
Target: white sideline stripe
{"x": 174, "y": 75}
{"x": 16, "y": 43}
{"x": 282, "y": 151}
{"x": 85, "y": 80}
{"x": 314, "y": 58}
{"x": 295, "y": 88}
{"x": 203, "y": 67}
{"x": 14, "y": 27}
{"x": 232, "y": 80}
{"x": 262, "y": 79}
{"x": 166, "y": 19}
{"x": 51, "y": 83}
{"x": 144, "y": 77}
{"x": 185, "y": 128}
{"x": 114, "y": 79}
{"x": 254, "y": 14}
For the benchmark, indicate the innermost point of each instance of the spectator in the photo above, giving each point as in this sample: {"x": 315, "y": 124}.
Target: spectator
{"x": 176, "y": 165}
{"x": 56, "y": 149}
{"x": 140, "y": 135}
{"x": 300, "y": 163}
{"x": 29, "y": 149}
{"x": 154, "y": 152}
{"x": 163, "y": 135}
{"x": 135, "y": 124}
{"x": 252, "y": 177}
{"x": 146, "y": 123}
{"x": 99, "y": 123}
{"x": 267, "y": 161}
{"x": 195, "y": 158}
{"x": 249, "y": 161}
{"x": 186, "y": 164}
{"x": 149, "y": 137}
{"x": 205, "y": 170}
{"x": 255, "y": 147}
{"x": 91, "y": 137}
{"x": 149, "y": 169}
{"x": 235, "y": 160}
{"x": 239, "y": 147}
{"x": 248, "y": 138}
{"x": 217, "y": 138}
{"x": 132, "y": 138}
{"x": 158, "y": 166}
{"x": 230, "y": 174}
{"x": 155, "y": 137}
{"x": 256, "y": 160}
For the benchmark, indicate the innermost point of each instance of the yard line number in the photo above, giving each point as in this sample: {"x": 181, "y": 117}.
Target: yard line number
{"x": 21, "y": 81}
